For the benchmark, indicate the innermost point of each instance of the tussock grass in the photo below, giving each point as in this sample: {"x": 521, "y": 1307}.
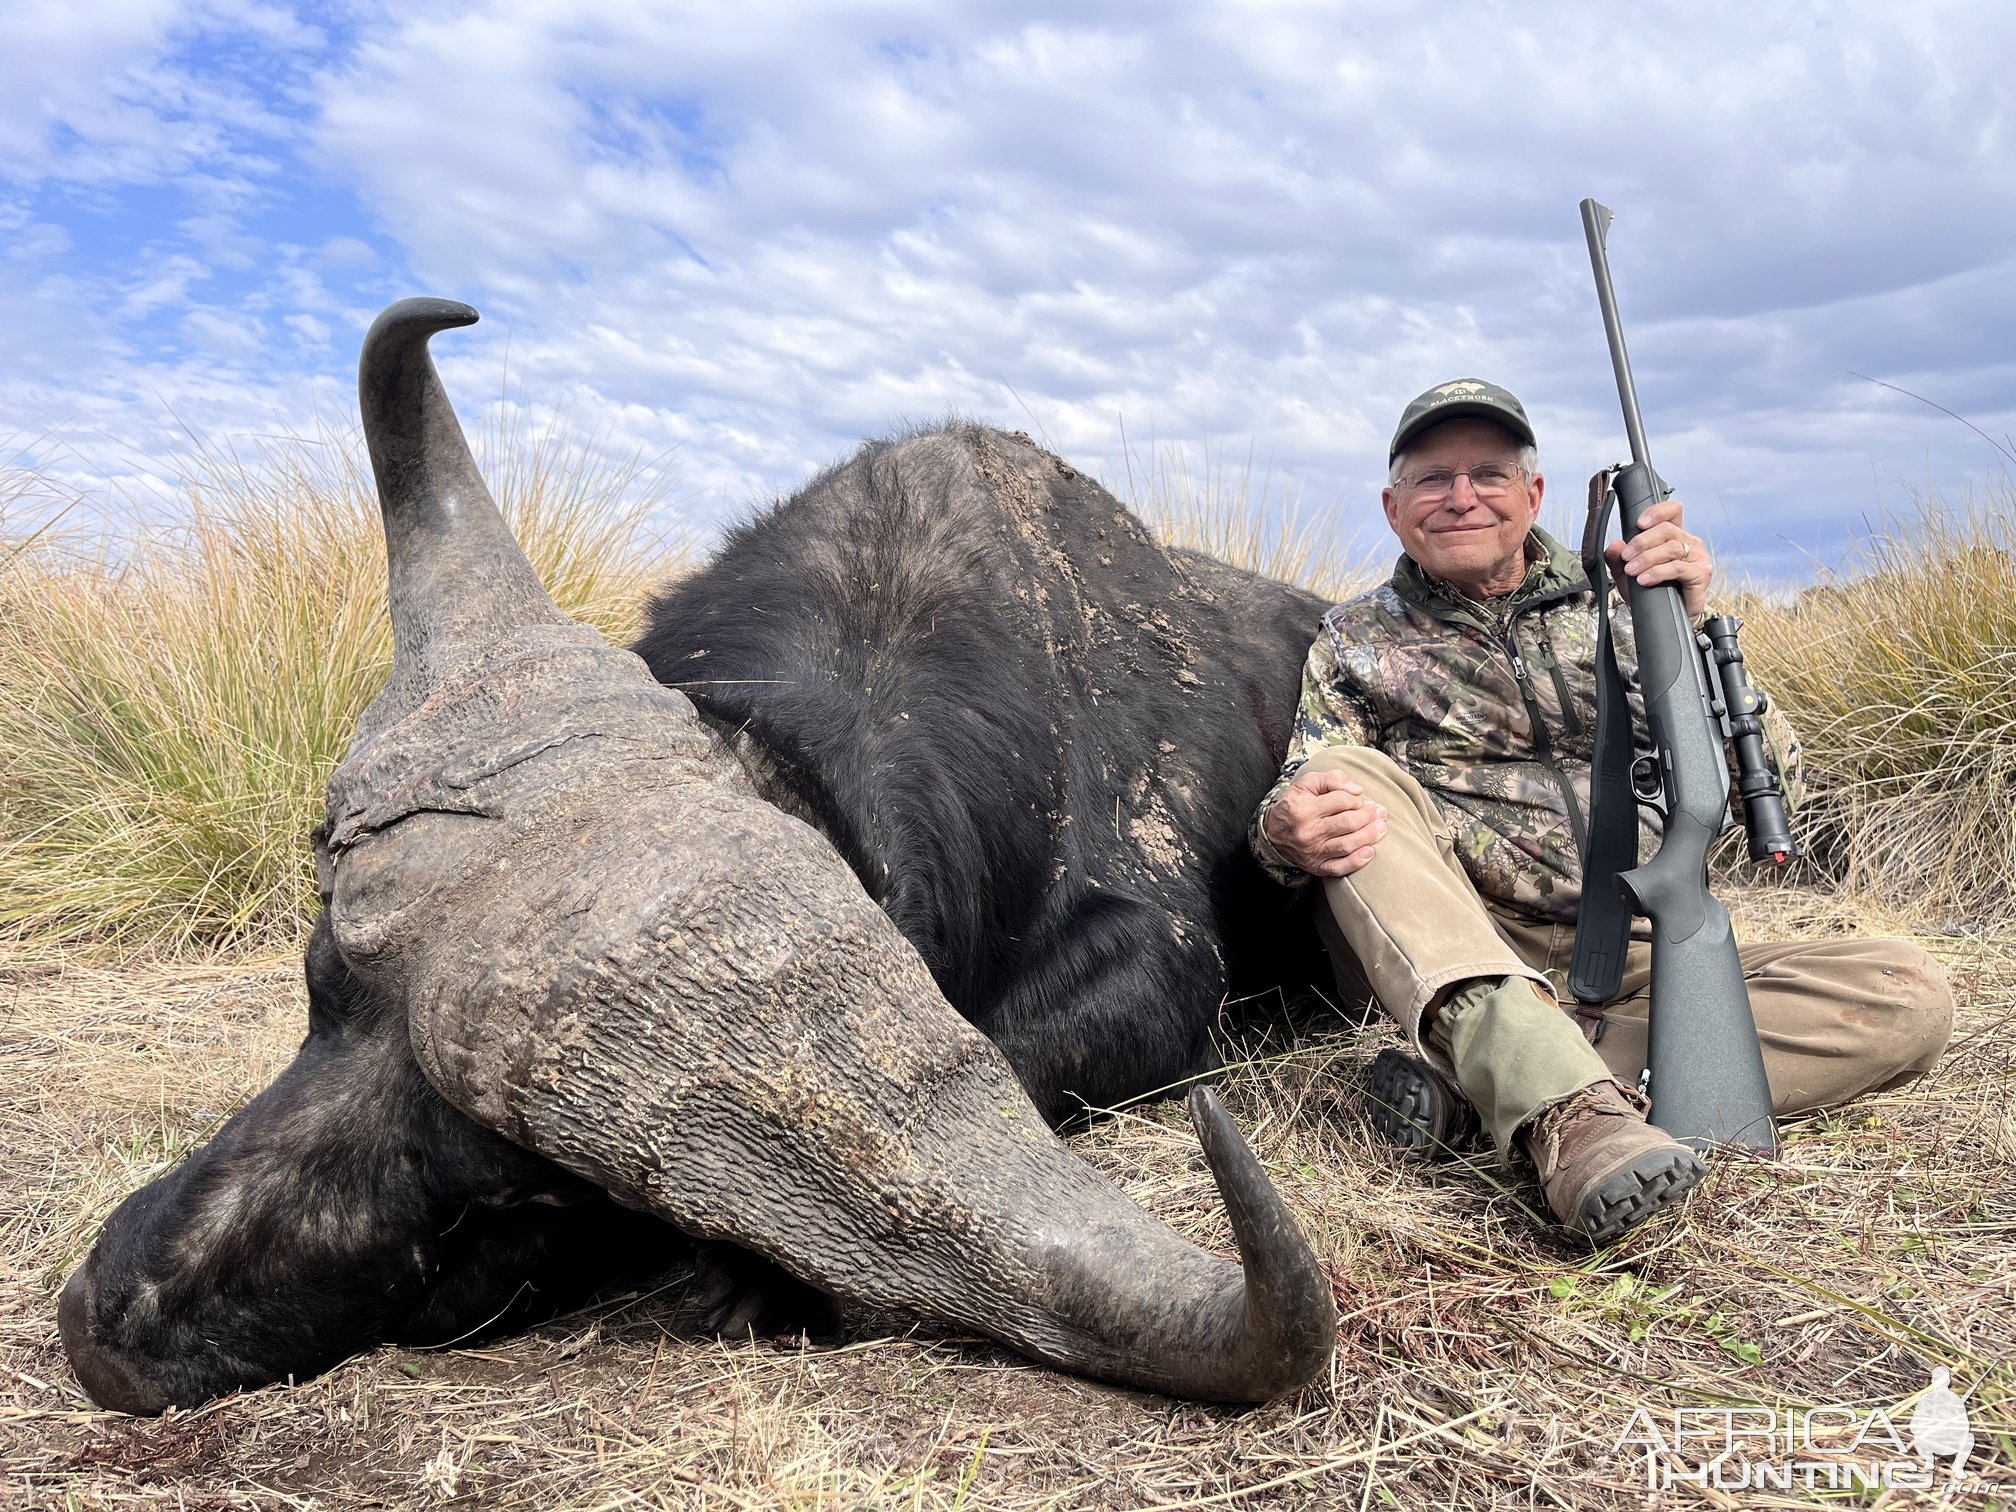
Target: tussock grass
{"x": 1202, "y": 503}
{"x": 170, "y": 707}
{"x": 1899, "y": 672}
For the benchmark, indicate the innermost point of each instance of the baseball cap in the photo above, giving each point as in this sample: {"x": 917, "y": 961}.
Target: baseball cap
{"x": 1459, "y": 399}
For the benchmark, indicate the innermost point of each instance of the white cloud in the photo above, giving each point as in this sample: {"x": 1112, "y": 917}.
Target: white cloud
{"x": 223, "y": 336}
{"x": 165, "y": 283}
{"x": 70, "y": 66}
{"x": 757, "y": 232}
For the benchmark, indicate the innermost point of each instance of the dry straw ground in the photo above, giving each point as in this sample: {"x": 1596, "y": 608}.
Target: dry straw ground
{"x": 1483, "y": 1360}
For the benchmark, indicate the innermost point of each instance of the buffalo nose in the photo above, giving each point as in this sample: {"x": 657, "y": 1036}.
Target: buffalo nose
{"x": 109, "y": 1380}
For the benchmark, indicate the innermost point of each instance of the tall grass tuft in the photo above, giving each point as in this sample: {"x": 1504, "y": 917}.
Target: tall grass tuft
{"x": 1899, "y": 673}
{"x": 170, "y": 712}
{"x": 1206, "y": 505}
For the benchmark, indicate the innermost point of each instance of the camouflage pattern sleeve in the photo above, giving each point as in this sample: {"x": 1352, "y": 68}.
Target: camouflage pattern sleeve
{"x": 1329, "y": 713}
{"x": 1781, "y": 749}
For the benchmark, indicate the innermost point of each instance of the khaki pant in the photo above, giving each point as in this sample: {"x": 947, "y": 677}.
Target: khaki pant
{"x": 1836, "y": 1018}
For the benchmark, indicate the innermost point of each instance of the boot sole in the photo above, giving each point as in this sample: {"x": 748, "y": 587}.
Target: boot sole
{"x": 1412, "y": 1112}
{"x": 1655, "y": 1181}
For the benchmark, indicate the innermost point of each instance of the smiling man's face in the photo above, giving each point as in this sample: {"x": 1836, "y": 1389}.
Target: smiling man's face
{"x": 1475, "y": 542}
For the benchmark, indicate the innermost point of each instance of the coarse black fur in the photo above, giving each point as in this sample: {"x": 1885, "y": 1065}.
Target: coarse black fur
{"x": 1035, "y": 734}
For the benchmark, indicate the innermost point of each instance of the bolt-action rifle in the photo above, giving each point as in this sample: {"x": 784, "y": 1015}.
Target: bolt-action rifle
{"x": 1705, "y": 1069}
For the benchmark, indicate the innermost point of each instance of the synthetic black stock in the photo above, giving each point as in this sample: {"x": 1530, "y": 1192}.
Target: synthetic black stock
{"x": 1679, "y": 708}
{"x": 1705, "y": 1066}
{"x": 1714, "y": 1086}
{"x": 1708, "y": 1082}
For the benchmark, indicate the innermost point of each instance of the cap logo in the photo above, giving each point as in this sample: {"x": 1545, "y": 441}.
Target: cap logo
{"x": 1462, "y": 386}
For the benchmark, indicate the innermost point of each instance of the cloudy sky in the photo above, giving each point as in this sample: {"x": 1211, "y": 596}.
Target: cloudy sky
{"x": 741, "y": 236}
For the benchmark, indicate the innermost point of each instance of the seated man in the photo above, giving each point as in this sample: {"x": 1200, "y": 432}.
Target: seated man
{"x": 1437, "y": 785}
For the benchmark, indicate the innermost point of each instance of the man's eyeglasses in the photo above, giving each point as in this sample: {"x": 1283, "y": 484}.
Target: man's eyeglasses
{"x": 1490, "y": 480}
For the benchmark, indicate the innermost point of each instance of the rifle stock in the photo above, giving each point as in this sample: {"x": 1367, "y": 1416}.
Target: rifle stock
{"x": 1704, "y": 1062}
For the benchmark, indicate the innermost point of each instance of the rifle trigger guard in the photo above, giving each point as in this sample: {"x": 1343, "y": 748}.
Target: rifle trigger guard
{"x": 1648, "y": 783}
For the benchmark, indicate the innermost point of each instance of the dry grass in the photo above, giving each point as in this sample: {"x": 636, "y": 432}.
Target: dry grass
{"x": 171, "y": 704}
{"x": 1900, "y": 674}
{"x": 1484, "y": 1362}
{"x": 1205, "y": 504}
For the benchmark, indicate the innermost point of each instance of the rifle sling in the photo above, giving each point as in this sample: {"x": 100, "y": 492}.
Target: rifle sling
{"x": 1603, "y": 919}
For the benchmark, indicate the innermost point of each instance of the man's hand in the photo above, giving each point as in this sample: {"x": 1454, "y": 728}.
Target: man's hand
{"x": 1663, "y": 552}
{"x": 1325, "y": 824}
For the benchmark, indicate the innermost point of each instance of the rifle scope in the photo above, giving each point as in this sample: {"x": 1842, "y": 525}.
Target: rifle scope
{"x": 1764, "y": 817}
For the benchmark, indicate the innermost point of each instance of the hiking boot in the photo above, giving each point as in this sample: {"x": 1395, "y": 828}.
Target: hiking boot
{"x": 1605, "y": 1170}
{"x": 1415, "y": 1110}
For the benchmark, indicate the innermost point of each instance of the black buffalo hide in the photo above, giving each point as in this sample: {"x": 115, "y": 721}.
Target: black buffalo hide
{"x": 1035, "y": 734}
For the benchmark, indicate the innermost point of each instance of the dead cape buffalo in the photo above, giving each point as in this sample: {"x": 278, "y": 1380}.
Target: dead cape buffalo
{"x": 601, "y": 962}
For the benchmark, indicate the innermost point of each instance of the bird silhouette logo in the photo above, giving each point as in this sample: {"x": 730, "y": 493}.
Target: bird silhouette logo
{"x": 1939, "y": 1424}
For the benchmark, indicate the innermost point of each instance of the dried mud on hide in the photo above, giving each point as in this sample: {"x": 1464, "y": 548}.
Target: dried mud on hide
{"x": 1483, "y": 1361}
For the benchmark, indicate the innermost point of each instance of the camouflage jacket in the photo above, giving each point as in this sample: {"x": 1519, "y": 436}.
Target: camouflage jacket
{"x": 1491, "y": 706}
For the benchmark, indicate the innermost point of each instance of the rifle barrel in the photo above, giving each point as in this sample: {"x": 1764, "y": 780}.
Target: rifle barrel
{"x": 1595, "y": 226}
